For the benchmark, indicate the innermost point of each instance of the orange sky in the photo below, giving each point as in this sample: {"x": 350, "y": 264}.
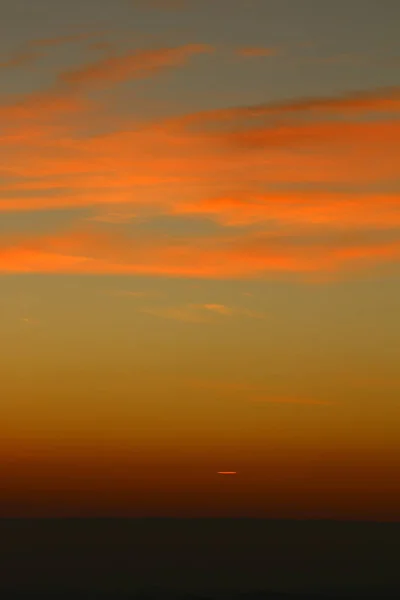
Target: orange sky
{"x": 199, "y": 259}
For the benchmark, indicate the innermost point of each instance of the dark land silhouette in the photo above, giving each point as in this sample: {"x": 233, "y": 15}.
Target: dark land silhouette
{"x": 162, "y": 559}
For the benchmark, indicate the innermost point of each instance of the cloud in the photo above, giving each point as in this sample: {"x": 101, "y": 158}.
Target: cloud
{"x": 362, "y": 102}
{"x": 220, "y": 309}
{"x": 135, "y": 65}
{"x": 19, "y": 59}
{"x": 256, "y": 51}
{"x": 114, "y": 218}
{"x": 42, "y": 108}
{"x": 302, "y": 209}
{"x": 308, "y": 187}
{"x": 199, "y": 313}
{"x": 228, "y": 311}
{"x": 248, "y": 153}
{"x": 33, "y": 50}
{"x": 67, "y": 94}
{"x": 245, "y": 256}
{"x": 60, "y": 40}
{"x": 29, "y": 321}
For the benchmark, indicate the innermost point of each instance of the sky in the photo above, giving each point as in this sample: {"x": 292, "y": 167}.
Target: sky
{"x": 199, "y": 258}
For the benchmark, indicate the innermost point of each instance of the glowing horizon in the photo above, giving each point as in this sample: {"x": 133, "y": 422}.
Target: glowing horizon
{"x": 199, "y": 258}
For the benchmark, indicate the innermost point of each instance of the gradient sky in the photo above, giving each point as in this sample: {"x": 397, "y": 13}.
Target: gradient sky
{"x": 199, "y": 258}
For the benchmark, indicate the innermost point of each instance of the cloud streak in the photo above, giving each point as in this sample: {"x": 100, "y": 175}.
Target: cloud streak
{"x": 136, "y": 65}
{"x": 300, "y": 172}
{"x": 200, "y": 313}
{"x": 245, "y": 256}
{"x": 36, "y": 49}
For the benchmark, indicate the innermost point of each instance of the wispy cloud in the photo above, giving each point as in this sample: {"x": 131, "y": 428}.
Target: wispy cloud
{"x": 19, "y": 59}
{"x": 362, "y": 102}
{"x": 200, "y": 313}
{"x": 29, "y": 321}
{"x": 342, "y": 210}
{"x": 248, "y": 256}
{"x": 303, "y": 172}
{"x": 114, "y": 218}
{"x": 33, "y": 50}
{"x": 256, "y": 51}
{"x": 229, "y": 311}
{"x": 220, "y": 309}
{"x": 133, "y": 65}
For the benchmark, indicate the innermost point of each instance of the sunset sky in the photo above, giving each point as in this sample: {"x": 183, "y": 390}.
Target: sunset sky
{"x": 200, "y": 258}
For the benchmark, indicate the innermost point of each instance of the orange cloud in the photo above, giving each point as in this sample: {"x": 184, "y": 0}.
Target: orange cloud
{"x": 37, "y": 106}
{"x": 199, "y": 313}
{"x": 244, "y": 257}
{"x": 59, "y": 99}
{"x": 385, "y": 100}
{"x": 132, "y": 65}
{"x": 339, "y": 210}
{"x": 222, "y": 166}
{"x": 231, "y": 311}
{"x": 220, "y": 309}
{"x": 115, "y": 218}
{"x": 184, "y": 170}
